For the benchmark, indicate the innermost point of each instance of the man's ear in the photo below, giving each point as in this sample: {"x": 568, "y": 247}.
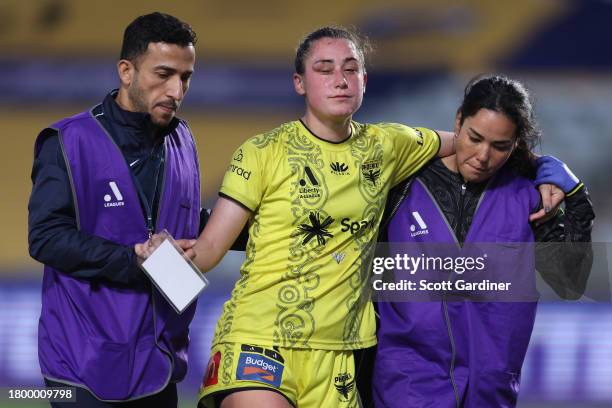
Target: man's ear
{"x": 125, "y": 70}
{"x": 365, "y": 81}
{"x": 298, "y": 84}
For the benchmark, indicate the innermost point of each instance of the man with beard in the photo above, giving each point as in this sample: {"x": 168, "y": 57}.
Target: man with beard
{"x": 104, "y": 180}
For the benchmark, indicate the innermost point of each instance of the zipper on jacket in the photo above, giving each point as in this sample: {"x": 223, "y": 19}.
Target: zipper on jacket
{"x": 451, "y": 371}
{"x": 460, "y": 218}
{"x": 163, "y": 184}
{"x": 445, "y": 305}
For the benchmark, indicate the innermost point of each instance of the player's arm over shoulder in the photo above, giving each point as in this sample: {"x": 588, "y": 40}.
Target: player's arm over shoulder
{"x": 412, "y": 147}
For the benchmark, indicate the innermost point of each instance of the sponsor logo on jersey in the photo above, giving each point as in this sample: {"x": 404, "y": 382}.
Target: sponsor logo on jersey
{"x": 340, "y": 169}
{"x": 356, "y": 226}
{"x": 316, "y": 228}
{"x": 309, "y": 185}
{"x": 212, "y": 371}
{"x": 344, "y": 384}
{"x": 419, "y": 136}
{"x": 370, "y": 170}
{"x": 246, "y": 174}
{"x": 273, "y": 354}
{"x": 255, "y": 367}
{"x": 238, "y": 157}
{"x": 118, "y": 197}
{"x": 338, "y": 257}
{"x": 420, "y": 228}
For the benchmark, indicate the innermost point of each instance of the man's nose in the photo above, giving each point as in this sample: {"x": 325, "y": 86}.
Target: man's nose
{"x": 175, "y": 89}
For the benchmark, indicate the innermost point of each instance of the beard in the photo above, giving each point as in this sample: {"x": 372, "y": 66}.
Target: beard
{"x": 137, "y": 98}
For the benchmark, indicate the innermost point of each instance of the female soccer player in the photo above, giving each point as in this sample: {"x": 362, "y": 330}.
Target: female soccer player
{"x": 314, "y": 191}
{"x": 464, "y": 353}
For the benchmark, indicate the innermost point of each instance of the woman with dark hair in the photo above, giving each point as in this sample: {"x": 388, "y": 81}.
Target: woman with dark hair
{"x": 314, "y": 192}
{"x": 459, "y": 352}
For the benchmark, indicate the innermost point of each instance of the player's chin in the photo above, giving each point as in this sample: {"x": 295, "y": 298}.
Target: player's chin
{"x": 343, "y": 110}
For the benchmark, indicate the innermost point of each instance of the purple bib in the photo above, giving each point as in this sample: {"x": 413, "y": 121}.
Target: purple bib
{"x": 431, "y": 352}
{"x": 119, "y": 342}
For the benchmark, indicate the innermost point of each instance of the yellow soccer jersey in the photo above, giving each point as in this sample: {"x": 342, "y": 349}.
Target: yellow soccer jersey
{"x": 316, "y": 209}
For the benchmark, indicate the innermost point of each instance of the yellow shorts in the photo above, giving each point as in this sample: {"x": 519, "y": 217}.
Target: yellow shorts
{"x": 305, "y": 377}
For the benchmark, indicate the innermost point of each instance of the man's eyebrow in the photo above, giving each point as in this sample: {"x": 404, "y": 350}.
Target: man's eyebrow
{"x": 165, "y": 68}
{"x": 172, "y": 70}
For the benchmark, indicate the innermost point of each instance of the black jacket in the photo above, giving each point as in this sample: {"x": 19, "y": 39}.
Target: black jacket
{"x": 565, "y": 267}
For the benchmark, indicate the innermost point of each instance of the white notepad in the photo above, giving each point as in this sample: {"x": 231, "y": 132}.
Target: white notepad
{"x": 174, "y": 275}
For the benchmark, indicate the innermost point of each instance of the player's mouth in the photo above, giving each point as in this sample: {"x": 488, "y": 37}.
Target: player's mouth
{"x": 480, "y": 170}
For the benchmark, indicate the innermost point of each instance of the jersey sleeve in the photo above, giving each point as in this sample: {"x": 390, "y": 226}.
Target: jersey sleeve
{"x": 243, "y": 181}
{"x": 413, "y": 147}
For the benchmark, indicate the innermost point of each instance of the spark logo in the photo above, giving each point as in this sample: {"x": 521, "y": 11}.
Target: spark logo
{"x": 422, "y": 226}
{"x": 118, "y": 196}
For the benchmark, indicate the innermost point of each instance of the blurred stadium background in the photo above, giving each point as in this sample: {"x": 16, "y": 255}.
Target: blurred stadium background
{"x": 58, "y": 57}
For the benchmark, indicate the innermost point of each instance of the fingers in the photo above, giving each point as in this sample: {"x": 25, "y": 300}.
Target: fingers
{"x": 186, "y": 244}
{"x": 546, "y": 193}
{"x": 139, "y": 249}
{"x": 145, "y": 249}
{"x": 552, "y": 197}
{"x": 557, "y": 197}
{"x": 537, "y": 216}
{"x": 190, "y": 253}
{"x": 155, "y": 241}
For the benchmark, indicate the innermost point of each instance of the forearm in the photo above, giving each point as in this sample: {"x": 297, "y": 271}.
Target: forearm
{"x": 226, "y": 221}
{"x": 84, "y": 256}
{"x": 447, "y": 143}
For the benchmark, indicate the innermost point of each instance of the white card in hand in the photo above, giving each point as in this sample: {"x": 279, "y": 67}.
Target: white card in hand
{"x": 176, "y": 278}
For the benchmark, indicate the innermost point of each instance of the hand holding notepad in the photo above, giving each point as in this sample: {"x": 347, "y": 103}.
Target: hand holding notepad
{"x": 173, "y": 273}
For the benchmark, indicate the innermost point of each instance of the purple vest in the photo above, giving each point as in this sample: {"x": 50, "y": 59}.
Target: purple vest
{"x": 459, "y": 353}
{"x": 119, "y": 342}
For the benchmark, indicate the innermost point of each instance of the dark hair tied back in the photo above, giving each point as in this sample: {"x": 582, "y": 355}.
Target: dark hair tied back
{"x": 361, "y": 42}
{"x": 510, "y": 97}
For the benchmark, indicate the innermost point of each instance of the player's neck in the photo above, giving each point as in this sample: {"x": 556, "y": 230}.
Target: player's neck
{"x": 332, "y": 131}
{"x": 451, "y": 163}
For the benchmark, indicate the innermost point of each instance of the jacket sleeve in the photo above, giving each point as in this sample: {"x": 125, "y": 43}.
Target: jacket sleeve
{"x": 564, "y": 253}
{"x": 53, "y": 236}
